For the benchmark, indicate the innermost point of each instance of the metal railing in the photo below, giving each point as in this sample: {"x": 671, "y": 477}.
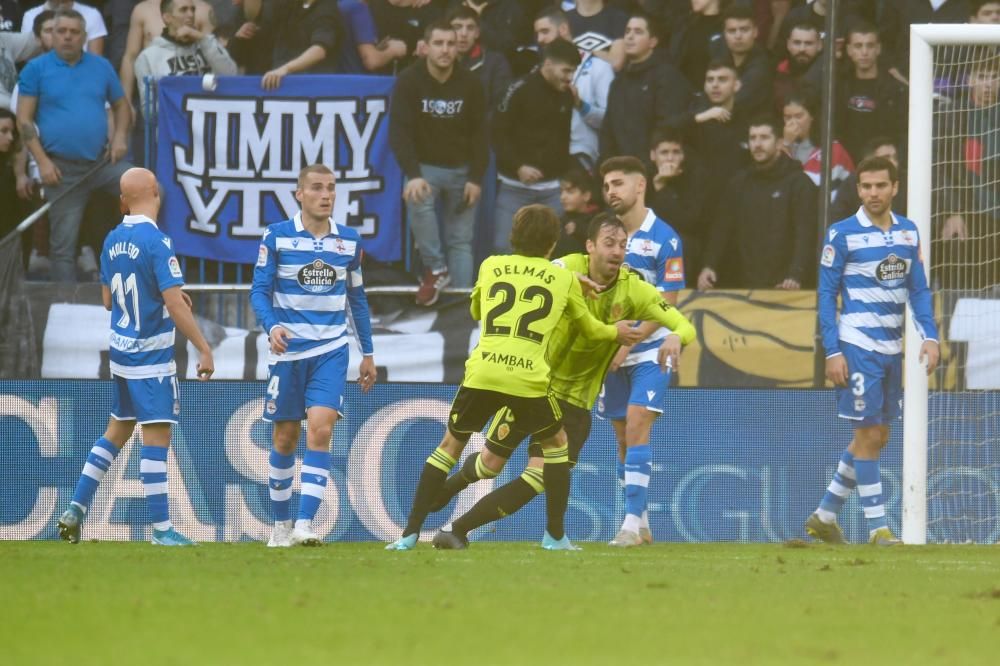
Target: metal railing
{"x": 229, "y": 304}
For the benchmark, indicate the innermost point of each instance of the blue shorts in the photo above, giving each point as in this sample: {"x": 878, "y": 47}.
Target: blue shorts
{"x": 295, "y": 386}
{"x": 151, "y": 400}
{"x": 642, "y": 384}
{"x": 874, "y": 393}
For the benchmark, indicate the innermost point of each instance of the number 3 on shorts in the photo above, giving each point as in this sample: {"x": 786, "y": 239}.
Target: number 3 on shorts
{"x": 857, "y": 378}
{"x": 272, "y": 387}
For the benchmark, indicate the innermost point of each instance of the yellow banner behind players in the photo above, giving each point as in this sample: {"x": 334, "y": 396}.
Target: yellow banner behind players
{"x": 749, "y": 338}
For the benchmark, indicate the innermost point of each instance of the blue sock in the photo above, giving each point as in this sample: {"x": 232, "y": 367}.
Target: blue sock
{"x": 279, "y": 484}
{"x": 620, "y": 469}
{"x": 153, "y": 471}
{"x": 844, "y": 481}
{"x": 870, "y": 490}
{"x": 101, "y": 456}
{"x": 314, "y": 475}
{"x": 638, "y": 467}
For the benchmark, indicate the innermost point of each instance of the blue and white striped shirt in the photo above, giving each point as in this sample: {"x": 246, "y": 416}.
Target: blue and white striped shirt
{"x": 310, "y": 286}
{"x": 654, "y": 251}
{"x": 874, "y": 272}
{"x": 138, "y": 265}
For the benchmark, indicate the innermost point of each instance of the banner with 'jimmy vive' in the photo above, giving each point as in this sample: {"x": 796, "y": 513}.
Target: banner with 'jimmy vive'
{"x": 228, "y": 159}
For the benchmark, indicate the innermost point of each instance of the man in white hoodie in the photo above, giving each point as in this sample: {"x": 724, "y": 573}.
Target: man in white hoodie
{"x": 181, "y": 49}
{"x": 591, "y": 83}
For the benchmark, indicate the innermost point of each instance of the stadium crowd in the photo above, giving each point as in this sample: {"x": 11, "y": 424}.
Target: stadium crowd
{"x": 721, "y": 99}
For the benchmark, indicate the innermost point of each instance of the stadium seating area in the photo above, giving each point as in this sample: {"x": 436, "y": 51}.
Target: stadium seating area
{"x": 690, "y": 130}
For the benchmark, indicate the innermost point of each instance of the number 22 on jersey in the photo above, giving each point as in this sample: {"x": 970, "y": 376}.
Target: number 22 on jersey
{"x": 534, "y": 295}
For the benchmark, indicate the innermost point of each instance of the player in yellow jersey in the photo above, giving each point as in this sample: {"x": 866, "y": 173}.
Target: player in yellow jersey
{"x": 578, "y": 369}
{"x": 520, "y": 298}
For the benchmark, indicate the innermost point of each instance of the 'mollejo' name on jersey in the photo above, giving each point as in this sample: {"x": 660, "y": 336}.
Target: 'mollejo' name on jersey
{"x": 138, "y": 265}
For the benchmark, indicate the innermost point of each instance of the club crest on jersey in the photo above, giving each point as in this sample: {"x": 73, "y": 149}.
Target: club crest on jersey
{"x": 890, "y": 269}
{"x": 616, "y": 311}
{"x": 317, "y": 277}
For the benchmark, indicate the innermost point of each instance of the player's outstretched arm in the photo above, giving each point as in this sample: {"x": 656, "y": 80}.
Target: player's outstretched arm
{"x": 180, "y": 312}
{"x": 671, "y": 318}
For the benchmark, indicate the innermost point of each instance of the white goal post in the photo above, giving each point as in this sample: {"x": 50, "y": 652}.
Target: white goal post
{"x": 923, "y": 39}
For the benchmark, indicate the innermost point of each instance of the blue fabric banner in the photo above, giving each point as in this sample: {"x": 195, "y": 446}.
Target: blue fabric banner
{"x": 228, "y": 159}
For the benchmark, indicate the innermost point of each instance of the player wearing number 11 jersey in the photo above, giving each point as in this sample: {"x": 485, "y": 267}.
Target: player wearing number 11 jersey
{"x": 141, "y": 286}
{"x": 520, "y": 298}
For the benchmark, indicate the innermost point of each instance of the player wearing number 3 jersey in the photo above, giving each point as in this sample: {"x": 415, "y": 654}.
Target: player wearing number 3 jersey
{"x": 872, "y": 262}
{"x": 519, "y": 299}
{"x": 141, "y": 286}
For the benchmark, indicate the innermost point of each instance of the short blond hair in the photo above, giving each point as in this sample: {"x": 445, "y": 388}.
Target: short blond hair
{"x": 313, "y": 168}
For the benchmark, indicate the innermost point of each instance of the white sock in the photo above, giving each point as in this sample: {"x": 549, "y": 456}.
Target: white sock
{"x": 303, "y": 524}
{"x": 828, "y": 517}
{"x": 644, "y": 519}
{"x": 632, "y": 522}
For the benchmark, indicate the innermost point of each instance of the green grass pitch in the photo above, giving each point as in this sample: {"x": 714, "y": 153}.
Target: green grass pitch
{"x": 353, "y": 603}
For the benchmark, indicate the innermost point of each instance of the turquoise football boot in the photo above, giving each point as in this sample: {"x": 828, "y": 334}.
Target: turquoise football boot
{"x": 171, "y": 537}
{"x": 404, "y": 543}
{"x": 548, "y": 543}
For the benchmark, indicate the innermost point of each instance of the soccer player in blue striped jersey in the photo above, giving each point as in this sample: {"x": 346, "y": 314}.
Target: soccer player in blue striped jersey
{"x": 306, "y": 284}
{"x": 872, "y": 261}
{"x": 141, "y": 285}
{"x": 633, "y": 392}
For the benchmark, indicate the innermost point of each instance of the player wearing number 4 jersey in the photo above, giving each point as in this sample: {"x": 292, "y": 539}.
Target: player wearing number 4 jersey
{"x": 306, "y": 282}
{"x": 520, "y": 299}
{"x": 872, "y": 261}
{"x": 578, "y": 367}
{"x": 141, "y": 286}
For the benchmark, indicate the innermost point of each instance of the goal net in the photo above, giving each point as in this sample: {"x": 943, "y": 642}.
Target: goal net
{"x": 952, "y": 431}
